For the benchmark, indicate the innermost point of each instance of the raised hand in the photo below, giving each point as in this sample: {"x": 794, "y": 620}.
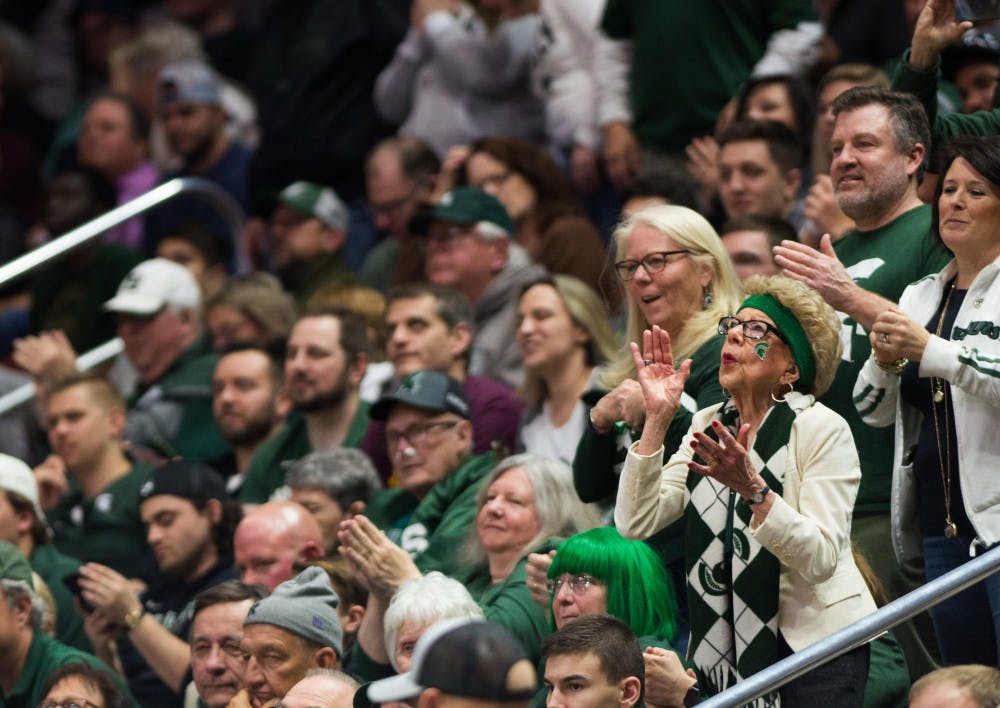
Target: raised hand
{"x": 662, "y": 386}
{"x": 727, "y": 460}
{"x": 935, "y": 29}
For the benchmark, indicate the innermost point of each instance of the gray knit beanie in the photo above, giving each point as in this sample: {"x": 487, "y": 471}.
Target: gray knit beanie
{"x": 306, "y": 606}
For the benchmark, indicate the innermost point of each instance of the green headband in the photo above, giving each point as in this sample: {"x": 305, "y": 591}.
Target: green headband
{"x": 789, "y": 326}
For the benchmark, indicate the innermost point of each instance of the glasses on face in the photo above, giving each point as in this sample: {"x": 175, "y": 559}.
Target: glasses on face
{"x": 752, "y": 329}
{"x": 578, "y": 584}
{"x": 415, "y": 434}
{"x": 653, "y": 263}
{"x": 449, "y": 235}
{"x": 69, "y": 703}
{"x": 393, "y": 205}
{"x": 494, "y": 181}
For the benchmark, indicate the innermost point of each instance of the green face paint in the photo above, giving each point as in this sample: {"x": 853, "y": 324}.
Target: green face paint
{"x": 760, "y": 349}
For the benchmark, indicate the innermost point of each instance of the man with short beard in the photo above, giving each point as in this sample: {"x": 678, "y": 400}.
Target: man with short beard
{"x": 325, "y": 360}
{"x": 879, "y": 143}
{"x": 247, "y": 405}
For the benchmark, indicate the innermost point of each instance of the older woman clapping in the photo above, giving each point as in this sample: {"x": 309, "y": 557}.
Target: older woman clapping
{"x": 934, "y": 373}
{"x": 766, "y": 482}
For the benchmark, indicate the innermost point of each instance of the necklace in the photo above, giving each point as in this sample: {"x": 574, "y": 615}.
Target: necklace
{"x": 944, "y": 460}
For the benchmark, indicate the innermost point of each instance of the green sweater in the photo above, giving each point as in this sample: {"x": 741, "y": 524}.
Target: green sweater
{"x": 690, "y": 58}
{"x": 433, "y": 529}
{"x": 883, "y": 261}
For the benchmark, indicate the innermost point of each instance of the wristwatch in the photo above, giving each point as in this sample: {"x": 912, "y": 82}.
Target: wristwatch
{"x": 692, "y": 697}
{"x": 757, "y": 497}
{"x": 134, "y": 617}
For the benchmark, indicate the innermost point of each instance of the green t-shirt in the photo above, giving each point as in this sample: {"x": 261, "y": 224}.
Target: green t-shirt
{"x": 271, "y": 461}
{"x": 435, "y": 528}
{"x": 883, "y": 261}
{"x": 690, "y": 58}
{"x": 106, "y": 529}
{"x": 45, "y": 655}
{"x": 52, "y": 566}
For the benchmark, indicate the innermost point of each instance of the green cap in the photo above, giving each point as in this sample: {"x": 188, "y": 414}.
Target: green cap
{"x": 310, "y": 199}
{"x": 464, "y": 205}
{"x": 13, "y": 565}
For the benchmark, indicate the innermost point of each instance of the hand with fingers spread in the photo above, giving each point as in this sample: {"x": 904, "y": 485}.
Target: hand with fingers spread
{"x": 727, "y": 461}
{"x": 382, "y": 565}
{"x": 935, "y": 29}
{"x": 820, "y": 269}
{"x": 662, "y": 385}
{"x": 896, "y": 336}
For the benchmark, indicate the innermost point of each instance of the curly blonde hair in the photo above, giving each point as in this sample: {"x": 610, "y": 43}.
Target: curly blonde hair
{"x": 692, "y": 232}
{"x": 818, "y": 320}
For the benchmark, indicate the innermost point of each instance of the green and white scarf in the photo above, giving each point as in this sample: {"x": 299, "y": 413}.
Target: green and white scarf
{"x": 732, "y": 580}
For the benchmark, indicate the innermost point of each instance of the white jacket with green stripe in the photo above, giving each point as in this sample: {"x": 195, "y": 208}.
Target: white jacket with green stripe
{"x": 970, "y": 361}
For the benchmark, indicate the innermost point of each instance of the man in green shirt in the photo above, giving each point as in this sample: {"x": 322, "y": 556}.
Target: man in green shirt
{"x": 22, "y": 523}
{"x": 27, "y": 655}
{"x": 429, "y": 440}
{"x": 879, "y": 145}
{"x": 326, "y": 358}
{"x": 95, "y": 511}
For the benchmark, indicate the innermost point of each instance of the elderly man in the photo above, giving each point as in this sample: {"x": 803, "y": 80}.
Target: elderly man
{"x": 217, "y": 662}
{"x": 879, "y": 144}
{"x": 22, "y": 523}
{"x": 27, "y": 655}
{"x": 321, "y": 688}
{"x": 293, "y": 630}
{"x": 157, "y": 308}
{"x": 333, "y": 485}
{"x": 469, "y": 248}
{"x": 429, "y": 438}
{"x": 467, "y": 662}
{"x": 325, "y": 360}
{"x": 271, "y": 539}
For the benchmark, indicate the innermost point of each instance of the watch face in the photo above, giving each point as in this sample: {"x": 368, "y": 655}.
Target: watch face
{"x": 692, "y": 697}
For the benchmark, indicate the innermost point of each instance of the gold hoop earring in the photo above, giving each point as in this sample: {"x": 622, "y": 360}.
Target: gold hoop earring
{"x": 785, "y": 397}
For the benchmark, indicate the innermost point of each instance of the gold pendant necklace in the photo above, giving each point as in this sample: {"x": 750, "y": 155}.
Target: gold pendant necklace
{"x": 944, "y": 460}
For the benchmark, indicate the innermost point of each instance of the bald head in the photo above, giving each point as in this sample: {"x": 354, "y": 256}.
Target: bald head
{"x": 271, "y": 539}
{"x": 321, "y": 688}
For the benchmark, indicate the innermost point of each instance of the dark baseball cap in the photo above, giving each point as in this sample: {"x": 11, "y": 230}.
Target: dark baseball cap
{"x": 194, "y": 481}
{"x": 464, "y": 205}
{"x": 427, "y": 390}
{"x": 463, "y": 658}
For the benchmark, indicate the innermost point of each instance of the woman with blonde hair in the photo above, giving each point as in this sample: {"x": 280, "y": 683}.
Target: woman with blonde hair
{"x": 564, "y": 338}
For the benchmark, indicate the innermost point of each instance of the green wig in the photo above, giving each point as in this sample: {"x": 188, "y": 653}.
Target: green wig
{"x": 640, "y": 592}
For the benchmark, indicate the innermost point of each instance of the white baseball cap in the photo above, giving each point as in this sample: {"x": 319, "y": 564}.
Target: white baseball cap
{"x": 17, "y": 478}
{"x": 153, "y": 285}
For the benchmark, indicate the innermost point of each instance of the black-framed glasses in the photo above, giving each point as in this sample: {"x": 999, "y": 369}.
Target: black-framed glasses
{"x": 752, "y": 329}
{"x": 69, "y": 703}
{"x": 415, "y": 434}
{"x": 578, "y": 584}
{"x": 653, "y": 263}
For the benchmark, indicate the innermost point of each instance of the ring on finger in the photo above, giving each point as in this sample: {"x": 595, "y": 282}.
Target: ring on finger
{"x": 647, "y": 362}
{"x": 885, "y": 338}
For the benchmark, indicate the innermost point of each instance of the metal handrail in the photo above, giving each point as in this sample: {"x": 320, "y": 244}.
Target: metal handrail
{"x": 58, "y": 247}
{"x": 858, "y": 633}
{"x": 88, "y": 360}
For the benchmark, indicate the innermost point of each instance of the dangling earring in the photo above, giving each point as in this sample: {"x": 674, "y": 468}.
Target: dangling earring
{"x": 785, "y": 397}
{"x": 706, "y": 298}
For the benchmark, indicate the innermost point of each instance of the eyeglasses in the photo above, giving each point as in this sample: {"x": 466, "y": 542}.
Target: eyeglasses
{"x": 415, "y": 434}
{"x": 69, "y": 703}
{"x": 653, "y": 263}
{"x": 494, "y": 181}
{"x": 578, "y": 584}
{"x": 752, "y": 329}
{"x": 449, "y": 235}
{"x": 393, "y": 205}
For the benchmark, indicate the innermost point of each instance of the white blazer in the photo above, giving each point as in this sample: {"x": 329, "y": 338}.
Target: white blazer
{"x": 808, "y": 527}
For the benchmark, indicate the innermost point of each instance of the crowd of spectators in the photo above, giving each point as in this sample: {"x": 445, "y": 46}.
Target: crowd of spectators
{"x": 577, "y": 353}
